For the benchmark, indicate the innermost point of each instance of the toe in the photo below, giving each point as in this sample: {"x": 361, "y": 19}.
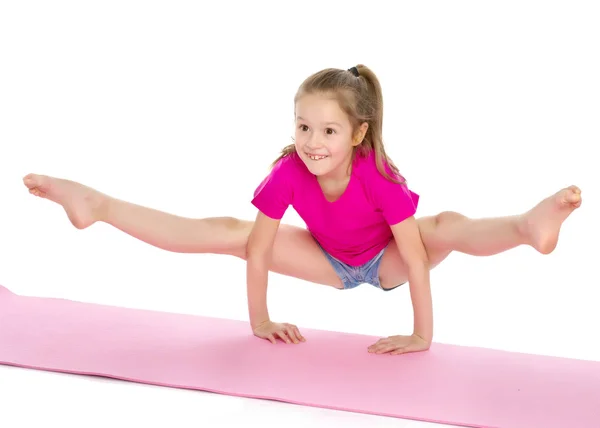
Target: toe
{"x": 33, "y": 181}
{"x": 30, "y": 180}
{"x": 573, "y": 198}
{"x": 36, "y": 192}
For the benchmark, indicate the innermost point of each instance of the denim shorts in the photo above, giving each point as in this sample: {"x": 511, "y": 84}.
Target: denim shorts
{"x": 353, "y": 276}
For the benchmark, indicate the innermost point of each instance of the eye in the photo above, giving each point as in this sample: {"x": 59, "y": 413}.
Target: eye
{"x": 303, "y": 127}
{"x": 329, "y": 129}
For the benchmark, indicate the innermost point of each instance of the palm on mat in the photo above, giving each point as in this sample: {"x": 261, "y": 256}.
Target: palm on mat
{"x": 399, "y": 344}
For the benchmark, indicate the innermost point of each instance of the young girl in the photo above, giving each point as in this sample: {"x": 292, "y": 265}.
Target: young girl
{"x": 358, "y": 210}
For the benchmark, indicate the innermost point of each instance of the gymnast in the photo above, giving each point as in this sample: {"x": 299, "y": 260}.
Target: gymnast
{"x": 358, "y": 209}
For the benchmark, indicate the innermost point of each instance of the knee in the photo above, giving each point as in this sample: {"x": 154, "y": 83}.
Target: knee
{"x": 236, "y": 228}
{"x": 448, "y": 217}
{"x": 228, "y": 223}
{"x": 239, "y": 231}
{"x": 232, "y": 234}
{"x": 438, "y": 237}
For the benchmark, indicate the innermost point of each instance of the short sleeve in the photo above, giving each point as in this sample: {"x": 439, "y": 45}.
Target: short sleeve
{"x": 395, "y": 200}
{"x": 274, "y": 194}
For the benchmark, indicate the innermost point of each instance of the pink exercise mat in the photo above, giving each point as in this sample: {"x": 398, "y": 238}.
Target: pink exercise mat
{"x": 448, "y": 384}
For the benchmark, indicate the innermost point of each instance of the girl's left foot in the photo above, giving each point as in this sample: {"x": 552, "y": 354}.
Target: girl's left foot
{"x": 83, "y": 205}
{"x": 541, "y": 225}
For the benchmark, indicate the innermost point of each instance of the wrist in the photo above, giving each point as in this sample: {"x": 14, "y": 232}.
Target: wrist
{"x": 256, "y": 322}
{"x": 422, "y": 303}
{"x": 424, "y": 337}
{"x": 258, "y": 312}
{"x": 257, "y": 277}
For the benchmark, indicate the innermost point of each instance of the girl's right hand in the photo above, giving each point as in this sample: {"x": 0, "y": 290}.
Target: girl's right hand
{"x": 270, "y": 330}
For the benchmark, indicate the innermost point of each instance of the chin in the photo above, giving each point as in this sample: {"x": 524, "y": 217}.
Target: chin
{"x": 317, "y": 167}
{"x": 320, "y": 171}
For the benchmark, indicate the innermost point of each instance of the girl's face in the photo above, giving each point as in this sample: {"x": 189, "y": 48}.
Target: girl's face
{"x": 324, "y": 138}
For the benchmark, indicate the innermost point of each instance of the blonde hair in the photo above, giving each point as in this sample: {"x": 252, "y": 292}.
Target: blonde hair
{"x": 360, "y": 97}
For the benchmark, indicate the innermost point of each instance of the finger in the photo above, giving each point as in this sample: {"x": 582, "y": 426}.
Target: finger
{"x": 283, "y": 336}
{"x": 378, "y": 344}
{"x": 401, "y": 350}
{"x": 299, "y": 335}
{"x": 380, "y": 348}
{"x": 272, "y": 338}
{"x": 386, "y": 348}
{"x": 382, "y": 345}
{"x": 406, "y": 349}
{"x": 374, "y": 347}
{"x": 296, "y": 333}
{"x": 292, "y": 334}
{"x": 390, "y": 343}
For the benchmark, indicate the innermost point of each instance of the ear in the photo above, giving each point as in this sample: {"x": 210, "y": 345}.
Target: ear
{"x": 360, "y": 134}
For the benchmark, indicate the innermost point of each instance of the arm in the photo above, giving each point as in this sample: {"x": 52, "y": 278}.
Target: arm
{"x": 412, "y": 251}
{"x": 259, "y": 250}
{"x": 258, "y": 258}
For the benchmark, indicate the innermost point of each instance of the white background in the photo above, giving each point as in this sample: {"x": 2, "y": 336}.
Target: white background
{"x": 489, "y": 107}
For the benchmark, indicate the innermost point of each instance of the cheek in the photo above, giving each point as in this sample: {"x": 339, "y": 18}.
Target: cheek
{"x": 298, "y": 144}
{"x": 299, "y": 138}
{"x": 340, "y": 147}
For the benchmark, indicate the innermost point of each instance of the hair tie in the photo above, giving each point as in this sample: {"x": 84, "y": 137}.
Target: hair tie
{"x": 354, "y": 71}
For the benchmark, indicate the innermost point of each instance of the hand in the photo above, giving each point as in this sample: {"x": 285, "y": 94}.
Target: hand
{"x": 399, "y": 345}
{"x": 270, "y": 330}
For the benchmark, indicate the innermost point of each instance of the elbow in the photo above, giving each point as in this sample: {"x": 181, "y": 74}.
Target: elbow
{"x": 257, "y": 255}
{"x": 418, "y": 268}
{"x": 418, "y": 265}
{"x": 423, "y": 261}
{"x": 259, "y": 245}
{"x": 417, "y": 259}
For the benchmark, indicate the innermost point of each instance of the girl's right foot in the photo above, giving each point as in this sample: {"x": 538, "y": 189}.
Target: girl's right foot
{"x": 541, "y": 225}
{"x": 84, "y": 206}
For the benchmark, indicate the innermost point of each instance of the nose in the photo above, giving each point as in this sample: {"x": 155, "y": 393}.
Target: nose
{"x": 313, "y": 143}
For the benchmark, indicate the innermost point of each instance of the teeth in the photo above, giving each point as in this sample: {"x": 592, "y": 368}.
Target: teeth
{"x": 317, "y": 157}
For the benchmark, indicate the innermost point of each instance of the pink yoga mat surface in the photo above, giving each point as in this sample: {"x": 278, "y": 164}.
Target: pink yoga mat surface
{"x": 448, "y": 384}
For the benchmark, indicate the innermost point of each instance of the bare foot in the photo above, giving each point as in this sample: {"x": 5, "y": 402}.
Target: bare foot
{"x": 84, "y": 206}
{"x": 541, "y": 225}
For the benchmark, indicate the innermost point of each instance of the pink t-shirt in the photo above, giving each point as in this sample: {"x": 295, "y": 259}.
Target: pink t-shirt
{"x": 356, "y": 226}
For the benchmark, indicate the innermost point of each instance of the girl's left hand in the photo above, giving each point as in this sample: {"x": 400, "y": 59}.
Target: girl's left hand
{"x": 395, "y": 345}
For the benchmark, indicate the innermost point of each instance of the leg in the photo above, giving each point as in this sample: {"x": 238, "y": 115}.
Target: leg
{"x": 450, "y": 231}
{"x": 294, "y": 248}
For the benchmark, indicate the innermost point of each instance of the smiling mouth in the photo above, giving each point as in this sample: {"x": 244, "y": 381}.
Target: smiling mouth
{"x": 315, "y": 157}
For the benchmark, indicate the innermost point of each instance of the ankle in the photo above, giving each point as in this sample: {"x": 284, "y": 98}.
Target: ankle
{"x": 523, "y": 228}
{"x": 104, "y": 208}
